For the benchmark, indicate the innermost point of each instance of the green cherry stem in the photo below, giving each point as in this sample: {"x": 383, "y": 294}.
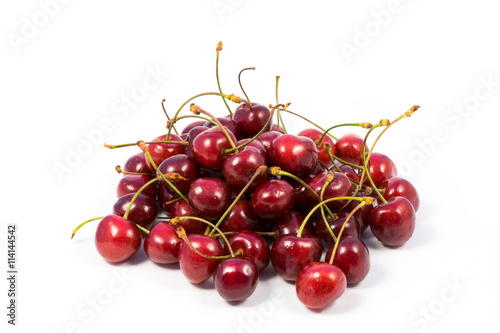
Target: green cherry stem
{"x": 218, "y": 49}
{"x": 197, "y": 110}
{"x": 309, "y": 121}
{"x": 181, "y": 233}
{"x": 328, "y": 180}
{"x": 166, "y": 114}
{"x": 184, "y": 143}
{"x": 328, "y": 149}
{"x": 119, "y": 170}
{"x": 170, "y": 123}
{"x": 127, "y": 212}
{"x": 241, "y": 86}
{"x": 84, "y": 223}
{"x": 280, "y": 119}
{"x": 364, "y": 125}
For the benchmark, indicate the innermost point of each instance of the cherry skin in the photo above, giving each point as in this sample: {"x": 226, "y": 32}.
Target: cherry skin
{"x": 252, "y": 246}
{"x": 349, "y": 148}
{"x": 319, "y": 284}
{"x": 162, "y": 244}
{"x": 186, "y": 167}
{"x": 193, "y": 133}
{"x": 381, "y": 168}
{"x": 303, "y": 202}
{"x": 362, "y": 215}
{"x": 228, "y": 123}
{"x": 350, "y": 173}
{"x": 352, "y": 257}
{"x": 161, "y": 151}
{"x": 294, "y": 154}
{"x": 325, "y": 238}
{"x": 165, "y": 196}
{"x": 209, "y": 197}
{"x": 239, "y": 168}
{"x": 276, "y": 129}
{"x": 399, "y": 187}
{"x": 182, "y": 208}
{"x": 256, "y": 144}
{"x": 289, "y": 224}
{"x": 136, "y": 163}
{"x": 195, "y": 267}
{"x": 236, "y": 278}
{"x": 340, "y": 186}
{"x": 117, "y": 239}
{"x": 143, "y": 212}
{"x": 251, "y": 120}
{"x": 315, "y": 135}
{"x": 241, "y": 217}
{"x": 266, "y": 138}
{"x": 273, "y": 198}
{"x": 190, "y": 126}
{"x": 132, "y": 184}
{"x": 290, "y": 254}
{"x": 393, "y": 223}
{"x": 208, "y": 147}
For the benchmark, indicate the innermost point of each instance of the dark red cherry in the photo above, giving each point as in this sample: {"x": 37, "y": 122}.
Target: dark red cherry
{"x": 161, "y": 151}
{"x": 117, "y": 239}
{"x": 182, "y": 208}
{"x": 241, "y": 217}
{"x": 239, "y": 168}
{"x": 193, "y": 133}
{"x": 187, "y": 168}
{"x": 289, "y": 224}
{"x": 162, "y": 244}
{"x": 136, "y": 163}
{"x": 319, "y": 284}
{"x": 352, "y": 257}
{"x": 256, "y": 144}
{"x": 393, "y": 223}
{"x": 325, "y": 238}
{"x": 165, "y": 196}
{"x": 208, "y": 147}
{"x": 290, "y": 254}
{"x": 252, "y": 246}
{"x": 294, "y": 154}
{"x": 209, "y": 197}
{"x": 340, "y": 186}
{"x": 267, "y": 137}
{"x": 315, "y": 135}
{"x": 381, "y": 168}
{"x": 192, "y": 125}
{"x": 228, "y": 123}
{"x": 251, "y": 120}
{"x": 143, "y": 212}
{"x": 399, "y": 187}
{"x": 350, "y": 173}
{"x": 303, "y": 202}
{"x": 273, "y": 198}
{"x": 349, "y": 148}
{"x": 362, "y": 215}
{"x": 195, "y": 267}
{"x": 132, "y": 184}
{"x": 236, "y": 278}
{"x": 276, "y": 129}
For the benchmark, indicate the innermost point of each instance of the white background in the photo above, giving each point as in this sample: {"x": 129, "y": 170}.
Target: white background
{"x": 64, "y": 74}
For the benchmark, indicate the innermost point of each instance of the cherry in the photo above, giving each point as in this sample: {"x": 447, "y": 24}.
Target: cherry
{"x": 132, "y": 184}
{"x": 319, "y": 284}
{"x": 239, "y": 168}
{"x": 290, "y": 254}
{"x": 143, "y": 211}
{"x": 352, "y": 257}
{"x": 161, "y": 151}
{"x": 362, "y": 215}
{"x": 180, "y": 209}
{"x": 228, "y": 123}
{"x": 273, "y": 199}
{"x": 316, "y": 135}
{"x": 137, "y": 163}
{"x": 165, "y": 196}
{"x": 209, "y": 145}
{"x": 294, "y": 154}
{"x": 209, "y": 197}
{"x": 252, "y": 246}
{"x": 241, "y": 217}
{"x": 349, "y": 148}
{"x": 162, "y": 244}
{"x": 187, "y": 168}
{"x": 350, "y": 173}
{"x": 303, "y": 202}
{"x": 289, "y": 224}
{"x": 393, "y": 222}
{"x": 275, "y": 128}
{"x": 381, "y": 168}
{"x": 190, "y": 126}
{"x": 193, "y": 133}
{"x": 339, "y": 187}
{"x": 256, "y": 144}
{"x": 117, "y": 239}
{"x": 266, "y": 138}
{"x": 197, "y": 268}
{"x": 325, "y": 238}
{"x": 399, "y": 187}
{"x": 236, "y": 278}
{"x": 251, "y": 120}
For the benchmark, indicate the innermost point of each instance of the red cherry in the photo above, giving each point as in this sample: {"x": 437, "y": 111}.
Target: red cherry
{"x": 165, "y": 196}
{"x": 294, "y": 154}
{"x": 381, "y": 168}
{"x": 252, "y": 246}
{"x": 162, "y": 244}
{"x": 340, "y": 186}
{"x": 393, "y": 223}
{"x": 132, "y": 184}
{"x": 209, "y": 197}
{"x": 193, "y": 133}
{"x": 315, "y": 135}
{"x": 266, "y": 138}
{"x": 228, "y": 123}
{"x": 190, "y": 126}
{"x": 399, "y": 187}
{"x": 236, "y": 278}
{"x": 186, "y": 167}
{"x": 143, "y": 211}
{"x": 350, "y": 173}
{"x": 241, "y": 217}
{"x": 273, "y": 198}
{"x": 208, "y": 147}
{"x": 117, "y": 239}
{"x": 161, "y": 151}
{"x": 251, "y": 120}
{"x": 239, "y": 168}
{"x": 182, "y": 208}
{"x": 276, "y": 129}
{"x": 136, "y": 163}
{"x": 325, "y": 238}
{"x": 349, "y": 148}
{"x": 362, "y": 215}
{"x": 256, "y": 144}
{"x": 289, "y": 224}
{"x": 319, "y": 284}
{"x": 195, "y": 267}
{"x": 290, "y": 254}
{"x": 352, "y": 257}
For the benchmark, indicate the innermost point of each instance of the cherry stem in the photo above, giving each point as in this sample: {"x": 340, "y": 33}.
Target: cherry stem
{"x": 119, "y": 170}
{"x": 197, "y": 110}
{"x": 84, "y": 223}
{"x": 260, "y": 170}
{"x": 145, "y": 149}
{"x": 232, "y": 98}
{"x": 127, "y": 212}
{"x": 367, "y": 200}
{"x": 241, "y": 86}
{"x": 312, "y": 123}
{"x": 166, "y": 114}
{"x": 142, "y": 228}
{"x": 170, "y": 123}
{"x": 328, "y": 180}
{"x": 218, "y": 49}
{"x": 364, "y": 125}
{"x": 361, "y": 204}
{"x": 328, "y": 149}
{"x": 184, "y": 143}
{"x": 280, "y": 119}
{"x": 273, "y": 234}
{"x": 172, "y": 201}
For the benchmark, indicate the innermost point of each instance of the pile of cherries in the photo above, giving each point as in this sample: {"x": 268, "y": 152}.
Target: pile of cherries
{"x": 228, "y": 195}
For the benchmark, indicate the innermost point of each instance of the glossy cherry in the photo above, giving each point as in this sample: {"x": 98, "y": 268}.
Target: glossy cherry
{"x": 252, "y": 246}
{"x": 143, "y": 211}
{"x": 256, "y": 144}
{"x": 289, "y": 224}
{"x": 273, "y": 198}
{"x": 400, "y": 187}
{"x": 195, "y": 267}
{"x": 316, "y": 135}
{"x": 362, "y": 215}
{"x": 239, "y": 168}
{"x": 295, "y": 154}
{"x": 251, "y": 120}
{"x": 340, "y": 186}
{"x": 162, "y": 244}
{"x": 165, "y": 196}
{"x": 209, "y": 197}
{"x": 182, "y": 208}
{"x": 236, "y": 278}
{"x": 132, "y": 184}
{"x": 208, "y": 147}
{"x": 350, "y": 173}
{"x": 352, "y": 228}
{"x": 161, "y": 151}
{"x": 228, "y": 123}
{"x": 193, "y": 133}
{"x": 266, "y": 138}
{"x": 136, "y": 163}
{"x": 187, "y": 168}
{"x": 349, "y": 148}
{"x": 192, "y": 125}
{"x": 352, "y": 257}
{"x": 241, "y": 217}
{"x": 117, "y": 239}
{"x": 381, "y": 168}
